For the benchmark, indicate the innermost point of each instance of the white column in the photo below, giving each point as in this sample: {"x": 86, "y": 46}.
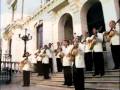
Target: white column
{"x": 109, "y": 11}
{"x": 77, "y": 23}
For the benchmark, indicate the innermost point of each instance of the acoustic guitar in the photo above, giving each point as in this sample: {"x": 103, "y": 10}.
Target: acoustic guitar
{"x": 111, "y": 33}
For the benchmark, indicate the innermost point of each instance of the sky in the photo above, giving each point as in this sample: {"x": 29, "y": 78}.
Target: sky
{"x": 5, "y": 12}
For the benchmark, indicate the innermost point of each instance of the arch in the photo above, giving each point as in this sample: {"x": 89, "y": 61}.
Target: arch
{"x": 65, "y": 27}
{"x": 92, "y": 16}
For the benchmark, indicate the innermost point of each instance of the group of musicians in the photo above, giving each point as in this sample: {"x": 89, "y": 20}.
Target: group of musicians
{"x": 82, "y": 52}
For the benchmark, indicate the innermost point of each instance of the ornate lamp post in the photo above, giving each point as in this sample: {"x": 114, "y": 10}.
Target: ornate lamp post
{"x": 25, "y": 38}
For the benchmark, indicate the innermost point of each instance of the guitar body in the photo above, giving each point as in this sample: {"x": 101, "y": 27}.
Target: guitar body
{"x": 109, "y": 35}
{"x": 61, "y": 55}
{"x": 74, "y": 52}
{"x": 112, "y": 33}
{"x": 91, "y": 44}
{"x": 21, "y": 65}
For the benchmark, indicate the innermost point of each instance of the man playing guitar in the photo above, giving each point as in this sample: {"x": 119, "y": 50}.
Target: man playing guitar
{"x": 114, "y": 39}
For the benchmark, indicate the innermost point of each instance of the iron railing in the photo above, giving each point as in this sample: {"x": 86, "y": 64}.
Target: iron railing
{"x": 7, "y": 68}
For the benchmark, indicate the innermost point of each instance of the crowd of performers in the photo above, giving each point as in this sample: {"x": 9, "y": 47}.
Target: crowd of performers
{"x": 73, "y": 57}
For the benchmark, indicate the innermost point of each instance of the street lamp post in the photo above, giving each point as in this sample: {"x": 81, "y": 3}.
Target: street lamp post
{"x": 25, "y": 38}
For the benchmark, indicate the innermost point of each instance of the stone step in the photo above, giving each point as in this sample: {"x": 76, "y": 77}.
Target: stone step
{"x": 107, "y": 86}
{"x": 90, "y": 73}
{"x": 87, "y": 86}
{"x": 104, "y": 78}
{"x": 93, "y": 81}
{"x": 91, "y": 78}
{"x": 107, "y": 72}
{"x": 86, "y": 75}
{"x": 90, "y": 84}
{"x": 96, "y": 78}
{"x": 108, "y": 82}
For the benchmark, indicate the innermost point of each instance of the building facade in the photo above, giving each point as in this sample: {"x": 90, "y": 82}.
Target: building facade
{"x": 57, "y": 20}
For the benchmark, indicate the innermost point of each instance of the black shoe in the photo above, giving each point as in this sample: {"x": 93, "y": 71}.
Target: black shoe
{"x": 69, "y": 85}
{"x": 116, "y": 68}
{"x": 47, "y": 78}
{"x": 101, "y": 75}
{"x": 25, "y": 86}
{"x": 94, "y": 75}
{"x": 64, "y": 84}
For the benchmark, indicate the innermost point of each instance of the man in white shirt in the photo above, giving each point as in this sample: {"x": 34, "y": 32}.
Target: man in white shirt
{"x": 26, "y": 70}
{"x": 98, "y": 53}
{"x": 88, "y": 53}
{"x": 45, "y": 62}
{"x": 50, "y": 53}
{"x": 67, "y": 64}
{"x": 59, "y": 60}
{"x": 39, "y": 62}
{"x": 115, "y": 43}
{"x": 78, "y": 67}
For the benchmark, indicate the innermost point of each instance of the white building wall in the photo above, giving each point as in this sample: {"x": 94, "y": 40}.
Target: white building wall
{"x": 74, "y": 12}
{"x": 51, "y": 32}
{"x": 47, "y": 29}
{"x": 4, "y": 46}
{"x": 109, "y": 11}
{"x": 17, "y": 49}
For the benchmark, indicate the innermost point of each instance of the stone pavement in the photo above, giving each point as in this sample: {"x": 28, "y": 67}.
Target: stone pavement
{"x": 32, "y": 87}
{"x": 17, "y": 84}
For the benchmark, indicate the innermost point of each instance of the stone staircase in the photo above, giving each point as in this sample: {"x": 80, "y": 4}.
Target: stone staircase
{"x": 111, "y": 81}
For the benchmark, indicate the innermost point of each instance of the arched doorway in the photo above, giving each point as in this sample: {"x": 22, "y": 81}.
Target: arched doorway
{"x": 95, "y": 18}
{"x": 65, "y": 27}
{"x": 92, "y": 16}
{"x": 39, "y": 36}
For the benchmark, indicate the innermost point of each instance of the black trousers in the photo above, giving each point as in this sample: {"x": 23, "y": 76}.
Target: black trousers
{"x": 46, "y": 71}
{"x": 78, "y": 78}
{"x": 67, "y": 75}
{"x": 88, "y": 61}
{"x": 26, "y": 78}
{"x": 116, "y": 55}
{"x": 51, "y": 64}
{"x": 98, "y": 63}
{"x": 59, "y": 64}
{"x": 39, "y": 68}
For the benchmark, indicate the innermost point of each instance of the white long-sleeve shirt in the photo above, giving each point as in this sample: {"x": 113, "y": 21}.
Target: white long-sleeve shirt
{"x": 66, "y": 59}
{"x": 115, "y": 39}
{"x": 98, "y": 45}
{"x": 45, "y": 60}
{"x": 86, "y": 46}
{"x": 27, "y": 66}
{"x": 79, "y": 58}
